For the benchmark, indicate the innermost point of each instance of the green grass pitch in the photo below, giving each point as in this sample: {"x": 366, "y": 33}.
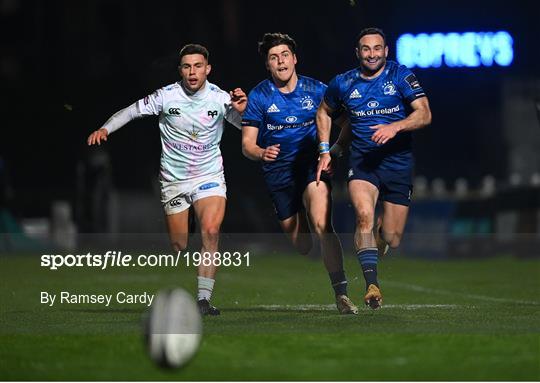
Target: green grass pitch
{"x": 443, "y": 320}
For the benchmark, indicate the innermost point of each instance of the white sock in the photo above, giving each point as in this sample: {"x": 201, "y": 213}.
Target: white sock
{"x": 206, "y": 285}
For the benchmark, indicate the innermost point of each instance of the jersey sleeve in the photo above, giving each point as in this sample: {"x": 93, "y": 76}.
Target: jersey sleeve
{"x": 408, "y": 85}
{"x": 151, "y": 104}
{"x": 232, "y": 114}
{"x": 336, "y": 112}
{"x": 332, "y": 95}
{"x": 121, "y": 118}
{"x": 321, "y": 91}
{"x": 253, "y": 115}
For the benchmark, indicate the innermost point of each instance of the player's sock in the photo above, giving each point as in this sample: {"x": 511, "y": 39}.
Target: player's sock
{"x": 368, "y": 261}
{"x": 339, "y": 282}
{"x": 206, "y": 285}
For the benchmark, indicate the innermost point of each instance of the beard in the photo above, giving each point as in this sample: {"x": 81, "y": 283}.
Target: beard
{"x": 370, "y": 70}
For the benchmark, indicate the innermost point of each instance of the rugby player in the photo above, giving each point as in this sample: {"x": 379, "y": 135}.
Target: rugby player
{"x": 385, "y": 103}
{"x": 191, "y": 121}
{"x": 278, "y": 129}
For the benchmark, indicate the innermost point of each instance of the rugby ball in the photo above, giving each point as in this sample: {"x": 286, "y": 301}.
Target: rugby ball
{"x": 173, "y": 328}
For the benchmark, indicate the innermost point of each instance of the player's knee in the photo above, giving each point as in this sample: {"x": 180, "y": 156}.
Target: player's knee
{"x": 179, "y": 244}
{"x": 364, "y": 219}
{"x": 321, "y": 227}
{"x": 210, "y": 229}
{"x": 393, "y": 239}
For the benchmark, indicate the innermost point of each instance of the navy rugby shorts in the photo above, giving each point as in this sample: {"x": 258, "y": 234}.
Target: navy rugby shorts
{"x": 287, "y": 199}
{"x": 395, "y": 185}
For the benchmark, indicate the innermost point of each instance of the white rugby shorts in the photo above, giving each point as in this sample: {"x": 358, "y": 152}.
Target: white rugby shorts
{"x": 178, "y": 196}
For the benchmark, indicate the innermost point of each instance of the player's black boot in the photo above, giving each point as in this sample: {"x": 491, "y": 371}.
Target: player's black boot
{"x": 206, "y": 308}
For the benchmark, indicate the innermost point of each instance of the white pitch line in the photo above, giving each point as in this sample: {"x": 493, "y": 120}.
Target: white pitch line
{"x": 455, "y": 293}
{"x": 333, "y": 307}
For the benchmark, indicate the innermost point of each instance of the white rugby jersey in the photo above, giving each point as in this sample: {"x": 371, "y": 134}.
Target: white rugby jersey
{"x": 190, "y": 125}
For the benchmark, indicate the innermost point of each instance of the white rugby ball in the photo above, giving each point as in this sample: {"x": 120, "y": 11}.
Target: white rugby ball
{"x": 173, "y": 328}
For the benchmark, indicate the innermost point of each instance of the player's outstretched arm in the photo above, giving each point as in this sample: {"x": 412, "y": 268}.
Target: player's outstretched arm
{"x": 117, "y": 120}
{"x": 254, "y": 152}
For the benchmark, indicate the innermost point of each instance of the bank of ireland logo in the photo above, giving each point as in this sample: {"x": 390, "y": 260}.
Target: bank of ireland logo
{"x": 389, "y": 89}
{"x": 291, "y": 119}
{"x": 373, "y": 104}
{"x": 307, "y": 103}
{"x": 194, "y": 133}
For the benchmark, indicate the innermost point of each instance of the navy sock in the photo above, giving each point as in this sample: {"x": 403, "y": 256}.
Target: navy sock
{"x": 339, "y": 282}
{"x": 368, "y": 261}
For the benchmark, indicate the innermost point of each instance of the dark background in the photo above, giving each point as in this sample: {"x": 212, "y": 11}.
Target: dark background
{"x": 66, "y": 66}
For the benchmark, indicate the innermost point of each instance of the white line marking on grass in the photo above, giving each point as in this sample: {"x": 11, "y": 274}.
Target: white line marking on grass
{"x": 455, "y": 293}
{"x": 333, "y": 307}
{"x": 422, "y": 306}
{"x": 297, "y": 307}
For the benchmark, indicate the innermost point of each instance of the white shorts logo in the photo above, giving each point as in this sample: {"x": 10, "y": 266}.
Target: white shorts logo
{"x": 176, "y": 202}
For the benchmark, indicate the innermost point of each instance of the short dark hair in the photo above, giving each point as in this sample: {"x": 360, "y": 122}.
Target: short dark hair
{"x": 271, "y": 40}
{"x": 193, "y": 49}
{"x": 370, "y": 31}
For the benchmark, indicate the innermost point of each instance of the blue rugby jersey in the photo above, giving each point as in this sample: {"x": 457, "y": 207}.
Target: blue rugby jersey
{"x": 381, "y": 100}
{"x": 287, "y": 119}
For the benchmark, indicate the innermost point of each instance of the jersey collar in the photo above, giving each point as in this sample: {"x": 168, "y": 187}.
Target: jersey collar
{"x": 201, "y": 93}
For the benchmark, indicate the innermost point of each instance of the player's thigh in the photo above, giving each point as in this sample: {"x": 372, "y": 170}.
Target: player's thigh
{"x": 209, "y": 196}
{"x": 394, "y": 217}
{"x": 177, "y": 222}
{"x": 210, "y": 211}
{"x": 363, "y": 196}
{"x": 178, "y": 228}
{"x": 287, "y": 203}
{"x": 290, "y": 224}
{"x": 176, "y": 203}
{"x": 318, "y": 202}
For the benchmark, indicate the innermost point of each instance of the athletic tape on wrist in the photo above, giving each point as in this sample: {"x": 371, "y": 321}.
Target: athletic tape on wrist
{"x": 324, "y": 147}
